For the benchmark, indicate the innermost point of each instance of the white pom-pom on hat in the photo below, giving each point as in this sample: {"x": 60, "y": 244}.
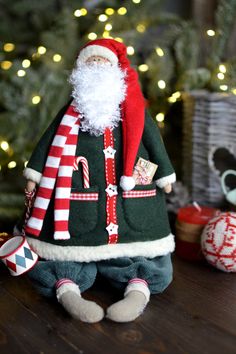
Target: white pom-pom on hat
{"x": 127, "y": 183}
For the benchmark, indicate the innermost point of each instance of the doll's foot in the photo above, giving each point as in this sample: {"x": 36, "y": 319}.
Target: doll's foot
{"x": 128, "y": 309}
{"x": 81, "y": 309}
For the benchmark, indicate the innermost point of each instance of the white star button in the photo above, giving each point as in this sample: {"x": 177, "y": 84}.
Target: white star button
{"x": 112, "y": 229}
{"x": 111, "y": 190}
{"x": 109, "y": 152}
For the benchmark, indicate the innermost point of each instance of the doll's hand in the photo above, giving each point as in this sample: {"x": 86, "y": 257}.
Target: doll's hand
{"x": 30, "y": 185}
{"x": 168, "y": 188}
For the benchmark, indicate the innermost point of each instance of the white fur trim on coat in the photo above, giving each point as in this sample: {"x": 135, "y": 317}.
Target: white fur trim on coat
{"x": 148, "y": 249}
{"x": 162, "y": 182}
{"x": 33, "y": 175}
{"x": 98, "y": 50}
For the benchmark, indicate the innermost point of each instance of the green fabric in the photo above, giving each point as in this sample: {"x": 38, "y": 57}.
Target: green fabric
{"x": 45, "y": 274}
{"x": 157, "y": 272}
{"x": 141, "y": 219}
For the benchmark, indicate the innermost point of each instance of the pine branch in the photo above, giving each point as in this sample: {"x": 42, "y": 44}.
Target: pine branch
{"x": 224, "y": 19}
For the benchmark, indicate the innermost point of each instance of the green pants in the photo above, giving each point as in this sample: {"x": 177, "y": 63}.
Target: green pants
{"x": 156, "y": 271}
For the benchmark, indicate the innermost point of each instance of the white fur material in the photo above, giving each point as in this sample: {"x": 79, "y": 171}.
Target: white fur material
{"x": 162, "y": 182}
{"x": 127, "y": 183}
{"x": 98, "y": 91}
{"x": 32, "y": 175}
{"x": 97, "y": 50}
{"x": 148, "y": 249}
{"x": 138, "y": 287}
{"x": 67, "y": 287}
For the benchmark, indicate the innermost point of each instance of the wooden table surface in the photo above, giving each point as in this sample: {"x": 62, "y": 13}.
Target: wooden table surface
{"x": 195, "y": 315}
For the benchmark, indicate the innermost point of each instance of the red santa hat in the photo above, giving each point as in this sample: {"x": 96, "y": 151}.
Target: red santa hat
{"x": 133, "y": 107}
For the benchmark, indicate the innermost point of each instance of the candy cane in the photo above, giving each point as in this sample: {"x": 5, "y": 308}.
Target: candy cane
{"x": 29, "y": 202}
{"x": 84, "y": 162}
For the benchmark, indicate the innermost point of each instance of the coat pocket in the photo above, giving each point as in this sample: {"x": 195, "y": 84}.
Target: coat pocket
{"x": 140, "y": 207}
{"x": 83, "y": 210}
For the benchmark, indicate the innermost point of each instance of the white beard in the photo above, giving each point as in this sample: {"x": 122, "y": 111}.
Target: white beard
{"x": 98, "y": 90}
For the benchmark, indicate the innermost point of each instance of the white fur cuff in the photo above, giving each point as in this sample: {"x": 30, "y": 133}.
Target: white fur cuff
{"x": 33, "y": 175}
{"x": 67, "y": 287}
{"x": 138, "y": 287}
{"x": 127, "y": 183}
{"x": 99, "y": 50}
{"x": 162, "y": 182}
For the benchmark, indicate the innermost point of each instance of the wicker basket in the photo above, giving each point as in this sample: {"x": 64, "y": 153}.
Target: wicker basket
{"x": 209, "y": 124}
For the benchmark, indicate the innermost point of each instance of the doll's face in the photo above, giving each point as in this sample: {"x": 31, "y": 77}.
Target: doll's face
{"x": 97, "y": 59}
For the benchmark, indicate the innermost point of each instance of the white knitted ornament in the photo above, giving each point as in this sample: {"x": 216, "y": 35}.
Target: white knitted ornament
{"x": 219, "y": 241}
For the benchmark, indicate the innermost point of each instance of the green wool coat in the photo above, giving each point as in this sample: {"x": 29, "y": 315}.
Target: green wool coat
{"x": 143, "y": 222}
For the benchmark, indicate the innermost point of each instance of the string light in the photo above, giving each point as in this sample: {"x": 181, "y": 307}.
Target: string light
{"x": 122, "y": 11}
{"x": 160, "y": 117}
{"x": 130, "y": 50}
{"x": 102, "y": 18}
{"x": 108, "y": 27}
{"x": 92, "y": 36}
{"x": 220, "y": 76}
{"x": 12, "y": 164}
{"x": 143, "y": 67}
{"x": 118, "y": 39}
{"x": 8, "y": 47}
{"x": 136, "y": 1}
{"x": 161, "y": 84}
{"x": 210, "y": 33}
{"x": 233, "y": 91}
{"x": 26, "y": 63}
{"x": 224, "y": 87}
{"x": 36, "y": 99}
{"x": 222, "y": 68}
{"x": 106, "y": 34}
{"x": 80, "y": 12}
{"x": 4, "y": 145}
{"x": 77, "y": 13}
{"x": 41, "y": 50}
{"x": 171, "y": 99}
{"x": 160, "y": 52}
{"x": 109, "y": 11}
{"x": 35, "y": 56}
{"x": 56, "y": 58}
{"x": 21, "y": 73}
{"x": 5, "y": 65}
{"x": 141, "y": 28}
{"x": 176, "y": 94}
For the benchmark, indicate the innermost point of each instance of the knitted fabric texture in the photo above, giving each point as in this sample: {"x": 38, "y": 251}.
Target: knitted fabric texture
{"x": 157, "y": 272}
{"x": 58, "y": 171}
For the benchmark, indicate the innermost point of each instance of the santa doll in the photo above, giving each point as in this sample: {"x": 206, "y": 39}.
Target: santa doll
{"x": 89, "y": 217}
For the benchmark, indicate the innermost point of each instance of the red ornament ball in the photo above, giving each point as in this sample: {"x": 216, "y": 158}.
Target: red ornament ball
{"x": 218, "y": 241}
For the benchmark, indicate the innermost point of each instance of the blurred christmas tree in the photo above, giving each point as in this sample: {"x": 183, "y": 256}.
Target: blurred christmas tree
{"x": 40, "y": 40}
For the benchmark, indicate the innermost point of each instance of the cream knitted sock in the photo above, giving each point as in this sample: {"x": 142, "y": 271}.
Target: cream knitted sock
{"x": 132, "y": 306}
{"x": 68, "y": 295}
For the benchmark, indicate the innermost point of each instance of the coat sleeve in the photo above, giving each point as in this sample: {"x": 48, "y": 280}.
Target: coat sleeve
{"x": 37, "y": 161}
{"x": 153, "y": 142}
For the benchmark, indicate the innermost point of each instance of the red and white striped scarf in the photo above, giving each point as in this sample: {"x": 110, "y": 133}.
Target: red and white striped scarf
{"x": 57, "y": 172}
